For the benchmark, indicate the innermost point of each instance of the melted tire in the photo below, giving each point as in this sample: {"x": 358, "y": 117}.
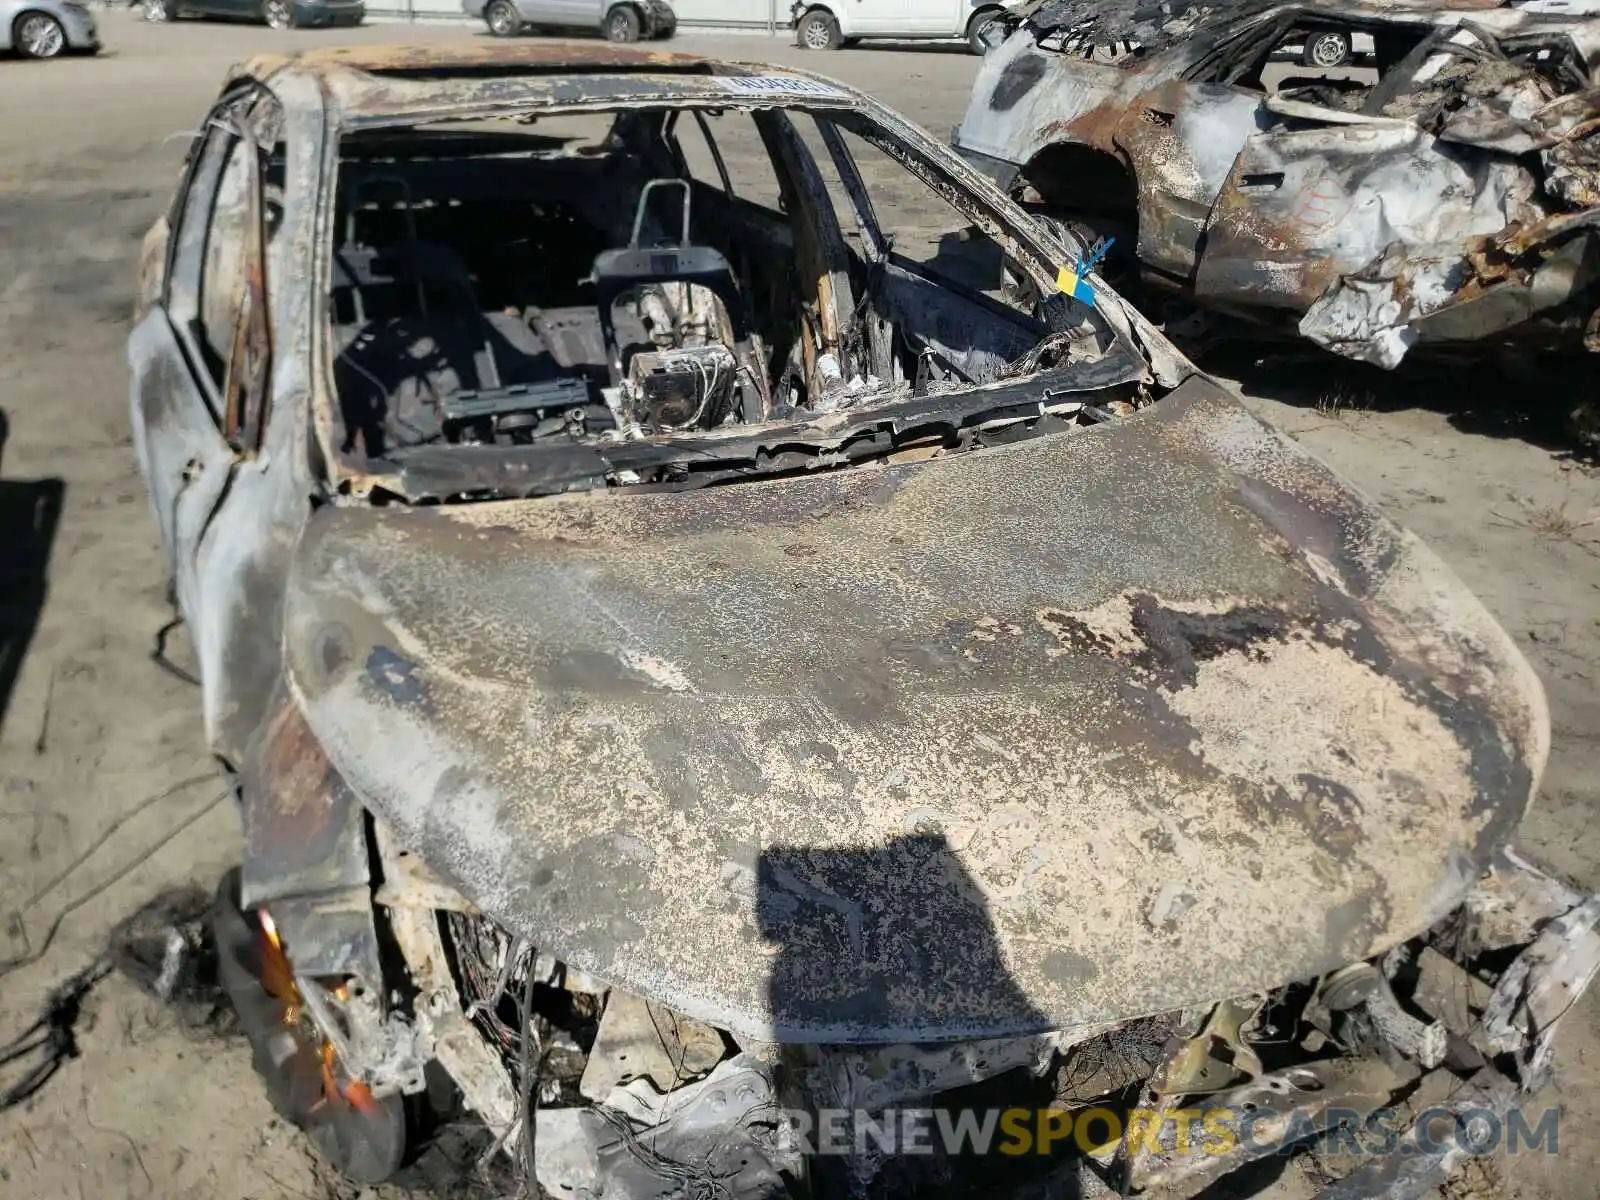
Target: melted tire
{"x": 363, "y": 1138}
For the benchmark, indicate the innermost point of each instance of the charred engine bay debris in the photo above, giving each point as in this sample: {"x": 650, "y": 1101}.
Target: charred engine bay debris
{"x": 1426, "y": 186}
{"x": 634, "y": 1100}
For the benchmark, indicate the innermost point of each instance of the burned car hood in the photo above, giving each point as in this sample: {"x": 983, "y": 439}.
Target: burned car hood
{"x": 1084, "y": 728}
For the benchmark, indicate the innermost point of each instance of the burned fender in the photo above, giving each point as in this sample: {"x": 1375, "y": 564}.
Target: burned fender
{"x": 305, "y": 848}
{"x": 304, "y": 831}
{"x": 1451, "y": 294}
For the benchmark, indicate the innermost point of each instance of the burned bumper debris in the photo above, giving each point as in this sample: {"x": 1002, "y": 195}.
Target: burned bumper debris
{"x": 748, "y": 707}
{"x": 1378, "y": 180}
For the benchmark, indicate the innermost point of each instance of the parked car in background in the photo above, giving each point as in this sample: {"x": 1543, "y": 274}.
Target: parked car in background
{"x": 47, "y": 28}
{"x": 834, "y": 23}
{"x": 617, "y": 20}
{"x": 277, "y": 14}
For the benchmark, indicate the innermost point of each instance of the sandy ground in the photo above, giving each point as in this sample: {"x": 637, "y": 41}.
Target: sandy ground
{"x": 101, "y": 757}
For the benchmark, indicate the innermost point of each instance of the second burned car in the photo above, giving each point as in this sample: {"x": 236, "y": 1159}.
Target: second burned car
{"x": 1435, "y": 185}
{"x": 695, "y": 672}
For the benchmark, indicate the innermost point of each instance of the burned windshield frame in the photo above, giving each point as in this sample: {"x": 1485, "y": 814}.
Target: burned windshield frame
{"x": 1055, "y": 314}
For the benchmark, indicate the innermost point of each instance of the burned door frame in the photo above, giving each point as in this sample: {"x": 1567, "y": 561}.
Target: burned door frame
{"x": 221, "y": 431}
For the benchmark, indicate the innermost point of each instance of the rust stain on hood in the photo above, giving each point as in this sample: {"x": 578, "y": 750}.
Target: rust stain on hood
{"x": 1089, "y": 728}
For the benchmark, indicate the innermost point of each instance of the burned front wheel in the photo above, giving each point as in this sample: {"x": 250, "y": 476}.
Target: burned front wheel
{"x": 362, "y": 1137}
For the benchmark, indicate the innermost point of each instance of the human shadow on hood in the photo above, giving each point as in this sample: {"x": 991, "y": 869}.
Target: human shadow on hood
{"x": 881, "y": 944}
{"x": 895, "y": 944}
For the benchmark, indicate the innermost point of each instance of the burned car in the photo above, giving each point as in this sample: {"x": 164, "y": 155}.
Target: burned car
{"x": 694, "y": 673}
{"x": 1372, "y": 176}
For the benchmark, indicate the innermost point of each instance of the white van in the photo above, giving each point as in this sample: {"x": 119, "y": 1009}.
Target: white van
{"x": 829, "y": 24}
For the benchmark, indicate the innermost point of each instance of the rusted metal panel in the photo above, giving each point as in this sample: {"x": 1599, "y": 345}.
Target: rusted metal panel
{"x": 304, "y": 831}
{"x": 917, "y": 753}
{"x": 1303, "y": 207}
{"x": 1182, "y": 139}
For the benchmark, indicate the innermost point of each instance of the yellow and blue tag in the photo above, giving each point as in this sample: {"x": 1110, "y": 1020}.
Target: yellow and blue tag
{"x": 1070, "y": 281}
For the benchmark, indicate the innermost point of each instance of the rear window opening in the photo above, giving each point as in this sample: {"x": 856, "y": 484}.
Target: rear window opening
{"x": 1331, "y": 62}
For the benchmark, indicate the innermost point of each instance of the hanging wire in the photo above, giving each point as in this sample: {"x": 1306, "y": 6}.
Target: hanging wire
{"x": 530, "y": 1060}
